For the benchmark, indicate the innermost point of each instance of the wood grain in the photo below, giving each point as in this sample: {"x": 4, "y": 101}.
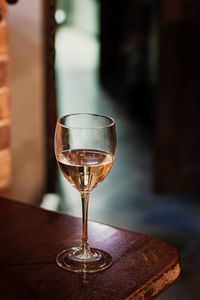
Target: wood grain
{"x": 50, "y": 117}
{"x": 31, "y": 238}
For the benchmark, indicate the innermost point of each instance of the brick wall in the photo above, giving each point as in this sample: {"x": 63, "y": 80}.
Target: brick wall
{"x": 5, "y": 157}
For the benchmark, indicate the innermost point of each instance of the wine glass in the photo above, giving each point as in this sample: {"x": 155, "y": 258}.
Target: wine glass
{"x": 85, "y": 147}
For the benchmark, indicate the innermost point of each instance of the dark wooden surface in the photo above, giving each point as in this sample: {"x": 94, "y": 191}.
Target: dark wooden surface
{"x": 31, "y": 238}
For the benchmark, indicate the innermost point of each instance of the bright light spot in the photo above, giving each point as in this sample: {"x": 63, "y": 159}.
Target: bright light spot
{"x": 60, "y": 16}
{"x": 50, "y": 202}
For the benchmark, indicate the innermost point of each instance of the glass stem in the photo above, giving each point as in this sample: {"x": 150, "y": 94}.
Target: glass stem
{"x": 84, "y": 248}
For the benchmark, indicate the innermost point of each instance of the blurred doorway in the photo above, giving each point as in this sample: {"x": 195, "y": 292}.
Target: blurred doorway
{"x": 77, "y": 55}
{"x": 79, "y": 89}
{"x": 144, "y": 61}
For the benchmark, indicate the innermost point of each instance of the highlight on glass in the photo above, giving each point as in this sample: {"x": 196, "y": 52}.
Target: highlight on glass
{"x": 85, "y": 148}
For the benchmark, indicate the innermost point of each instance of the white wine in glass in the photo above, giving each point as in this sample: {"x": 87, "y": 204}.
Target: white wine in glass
{"x": 85, "y": 147}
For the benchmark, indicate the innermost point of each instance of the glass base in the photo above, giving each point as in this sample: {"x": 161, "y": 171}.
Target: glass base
{"x": 72, "y": 260}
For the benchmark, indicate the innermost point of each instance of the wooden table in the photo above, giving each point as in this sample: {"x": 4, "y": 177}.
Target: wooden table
{"x": 31, "y": 237}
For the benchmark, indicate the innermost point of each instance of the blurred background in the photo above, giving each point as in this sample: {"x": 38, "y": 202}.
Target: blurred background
{"x": 137, "y": 61}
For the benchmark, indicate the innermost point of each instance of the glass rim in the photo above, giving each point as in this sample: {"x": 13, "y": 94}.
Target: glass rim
{"x": 112, "y": 121}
